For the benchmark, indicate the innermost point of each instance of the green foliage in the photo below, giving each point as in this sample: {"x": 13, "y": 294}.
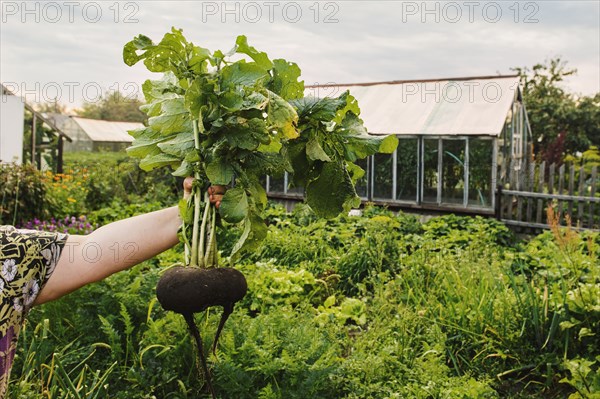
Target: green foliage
{"x": 114, "y": 106}
{"x": 452, "y": 308}
{"x": 553, "y": 112}
{"x": 229, "y": 121}
{"x": 460, "y": 232}
{"x": 271, "y": 288}
{"x": 22, "y": 194}
{"x": 107, "y": 187}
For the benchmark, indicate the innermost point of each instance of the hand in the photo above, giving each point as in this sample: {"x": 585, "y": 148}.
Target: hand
{"x": 187, "y": 187}
{"x": 215, "y": 193}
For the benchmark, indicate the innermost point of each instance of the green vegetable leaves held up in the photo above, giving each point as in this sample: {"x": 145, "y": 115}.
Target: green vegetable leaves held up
{"x": 332, "y": 138}
{"x": 231, "y": 122}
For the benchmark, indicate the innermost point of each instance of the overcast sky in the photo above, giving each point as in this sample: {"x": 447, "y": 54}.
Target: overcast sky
{"x": 73, "y": 49}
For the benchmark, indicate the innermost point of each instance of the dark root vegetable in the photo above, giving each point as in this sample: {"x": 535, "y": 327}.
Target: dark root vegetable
{"x": 192, "y": 290}
{"x": 189, "y": 290}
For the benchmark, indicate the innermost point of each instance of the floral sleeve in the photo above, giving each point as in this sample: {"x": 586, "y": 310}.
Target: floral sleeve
{"x": 27, "y": 260}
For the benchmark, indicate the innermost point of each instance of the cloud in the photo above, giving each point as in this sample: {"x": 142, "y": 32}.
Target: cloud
{"x": 335, "y": 41}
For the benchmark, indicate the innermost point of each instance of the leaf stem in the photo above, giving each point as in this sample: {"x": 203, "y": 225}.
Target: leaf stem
{"x": 194, "y": 260}
{"x": 200, "y": 251}
{"x": 195, "y": 249}
{"x": 214, "y": 234}
{"x": 211, "y": 247}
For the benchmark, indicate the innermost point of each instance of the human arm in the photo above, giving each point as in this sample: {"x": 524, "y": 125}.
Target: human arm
{"x": 115, "y": 247}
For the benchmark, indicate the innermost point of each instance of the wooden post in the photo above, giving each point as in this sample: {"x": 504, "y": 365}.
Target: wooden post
{"x": 440, "y": 171}
{"x": 551, "y": 179}
{"x": 33, "y": 139}
{"x": 571, "y": 189}
{"x": 498, "y": 204}
{"x": 540, "y": 189}
{"x": 59, "y": 156}
{"x": 593, "y": 194}
{"x": 561, "y": 185}
{"x": 580, "y": 193}
{"x": 531, "y": 178}
{"x": 551, "y": 183}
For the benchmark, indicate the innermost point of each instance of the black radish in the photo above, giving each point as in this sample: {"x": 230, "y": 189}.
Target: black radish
{"x": 189, "y": 290}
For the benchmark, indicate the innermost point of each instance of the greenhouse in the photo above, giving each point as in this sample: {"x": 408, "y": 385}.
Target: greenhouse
{"x": 458, "y": 139}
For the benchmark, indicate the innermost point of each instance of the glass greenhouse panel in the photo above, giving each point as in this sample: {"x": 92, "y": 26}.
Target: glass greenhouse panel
{"x": 430, "y": 170}
{"x": 361, "y": 184}
{"x": 383, "y": 176}
{"x": 453, "y": 171}
{"x": 276, "y": 184}
{"x": 407, "y": 164}
{"x": 291, "y": 189}
{"x": 480, "y": 172}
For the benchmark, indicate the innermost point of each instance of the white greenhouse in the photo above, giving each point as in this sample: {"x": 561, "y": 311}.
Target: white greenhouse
{"x": 458, "y": 139}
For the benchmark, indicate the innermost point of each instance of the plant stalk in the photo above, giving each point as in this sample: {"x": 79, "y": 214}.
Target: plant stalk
{"x": 194, "y": 249}
{"x": 211, "y": 247}
{"x": 200, "y": 252}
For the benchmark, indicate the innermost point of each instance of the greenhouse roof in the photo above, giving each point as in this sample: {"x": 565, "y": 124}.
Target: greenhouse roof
{"x": 456, "y": 106}
{"x": 99, "y": 130}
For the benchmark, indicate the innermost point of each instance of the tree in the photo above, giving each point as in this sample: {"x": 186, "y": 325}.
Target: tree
{"x": 52, "y": 108}
{"x": 561, "y": 123}
{"x": 114, "y": 106}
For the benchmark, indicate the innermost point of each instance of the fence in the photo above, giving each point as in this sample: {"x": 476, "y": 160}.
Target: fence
{"x": 573, "y": 191}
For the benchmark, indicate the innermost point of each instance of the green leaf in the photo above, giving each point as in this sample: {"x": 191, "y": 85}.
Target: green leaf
{"x": 184, "y": 170}
{"x": 267, "y": 163}
{"x": 179, "y": 146}
{"x": 237, "y": 247}
{"x": 198, "y": 58}
{"x": 255, "y": 230}
{"x": 163, "y": 89}
{"x": 259, "y": 57}
{"x": 231, "y": 101}
{"x": 282, "y": 116}
{"x": 140, "y": 42}
{"x": 315, "y": 152}
{"x": 255, "y": 100}
{"x": 168, "y": 55}
{"x": 330, "y": 301}
{"x": 234, "y": 205}
{"x": 246, "y": 134}
{"x": 258, "y": 194}
{"x": 285, "y": 80}
{"x": 201, "y": 95}
{"x": 186, "y": 211}
{"x": 322, "y": 109}
{"x": 158, "y": 160}
{"x": 359, "y": 144}
{"x": 174, "y": 118}
{"x": 144, "y": 146}
{"x": 219, "y": 172}
{"x": 351, "y": 106}
{"x": 331, "y": 192}
{"x": 299, "y": 162}
{"x": 273, "y": 147}
{"x": 355, "y": 171}
{"x": 242, "y": 73}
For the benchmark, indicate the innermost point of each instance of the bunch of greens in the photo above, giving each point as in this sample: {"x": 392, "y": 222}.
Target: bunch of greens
{"x": 232, "y": 118}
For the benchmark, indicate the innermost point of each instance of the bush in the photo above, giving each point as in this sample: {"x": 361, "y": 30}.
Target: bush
{"x": 372, "y": 306}
{"x": 22, "y": 194}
